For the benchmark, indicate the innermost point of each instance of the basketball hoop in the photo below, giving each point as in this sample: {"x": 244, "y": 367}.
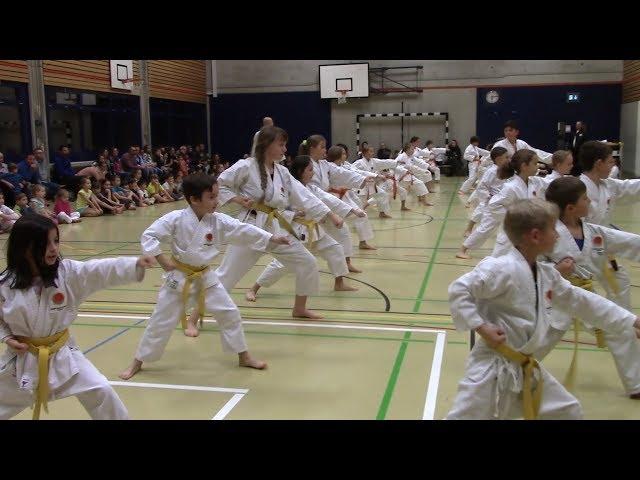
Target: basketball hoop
{"x": 136, "y": 84}
{"x": 342, "y": 96}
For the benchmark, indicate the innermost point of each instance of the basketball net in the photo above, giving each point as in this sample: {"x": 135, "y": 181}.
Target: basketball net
{"x": 342, "y": 96}
{"x": 136, "y": 84}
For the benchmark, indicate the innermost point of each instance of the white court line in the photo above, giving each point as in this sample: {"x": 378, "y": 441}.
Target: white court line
{"x": 224, "y": 411}
{"x": 197, "y": 388}
{"x": 436, "y": 366}
{"x": 290, "y": 324}
{"x": 434, "y": 378}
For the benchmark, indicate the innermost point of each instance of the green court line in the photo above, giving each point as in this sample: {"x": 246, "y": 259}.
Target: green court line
{"x": 391, "y": 384}
{"x": 395, "y": 372}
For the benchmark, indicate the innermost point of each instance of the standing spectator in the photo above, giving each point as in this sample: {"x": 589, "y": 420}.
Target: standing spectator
{"x": 383, "y": 152}
{"x": 454, "y": 158}
{"x": 576, "y": 142}
{"x": 363, "y": 147}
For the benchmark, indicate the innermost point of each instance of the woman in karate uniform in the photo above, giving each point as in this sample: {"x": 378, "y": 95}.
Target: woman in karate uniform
{"x": 265, "y": 189}
{"x": 312, "y": 233}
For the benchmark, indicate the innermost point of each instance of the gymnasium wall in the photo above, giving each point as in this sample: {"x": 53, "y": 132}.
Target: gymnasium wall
{"x": 235, "y": 118}
{"x": 630, "y": 115}
{"x": 452, "y": 86}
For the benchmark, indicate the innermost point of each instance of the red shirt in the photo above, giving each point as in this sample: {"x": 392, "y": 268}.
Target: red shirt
{"x": 62, "y": 206}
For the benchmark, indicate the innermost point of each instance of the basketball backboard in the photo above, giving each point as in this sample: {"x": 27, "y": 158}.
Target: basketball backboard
{"x": 351, "y": 78}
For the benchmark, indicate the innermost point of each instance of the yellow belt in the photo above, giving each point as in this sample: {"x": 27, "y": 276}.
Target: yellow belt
{"x": 273, "y": 213}
{"x": 570, "y": 378}
{"x": 191, "y": 274}
{"x": 312, "y": 227}
{"x": 43, "y": 348}
{"x": 531, "y": 399}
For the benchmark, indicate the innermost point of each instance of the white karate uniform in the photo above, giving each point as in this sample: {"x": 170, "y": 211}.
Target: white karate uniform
{"x": 382, "y": 194}
{"x": 41, "y": 312}
{"x": 590, "y": 262}
{"x": 325, "y": 246}
{"x": 546, "y": 181}
{"x": 282, "y": 191}
{"x": 545, "y": 157}
{"x": 429, "y": 160}
{"x": 469, "y": 154}
{"x": 603, "y": 196}
{"x": 514, "y": 189}
{"x": 615, "y": 172}
{"x": 502, "y": 291}
{"x": 406, "y": 173}
{"x": 362, "y": 225}
{"x": 328, "y": 175}
{"x": 490, "y": 184}
{"x": 196, "y": 243}
{"x": 7, "y": 224}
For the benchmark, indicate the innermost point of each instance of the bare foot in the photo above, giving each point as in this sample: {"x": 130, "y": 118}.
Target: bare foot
{"x": 250, "y": 296}
{"x": 305, "y": 313}
{"x": 463, "y": 255}
{"x": 467, "y": 205}
{"x": 134, "y": 368}
{"x": 76, "y": 220}
{"x": 192, "y": 329}
{"x": 460, "y": 192}
{"x": 342, "y": 287}
{"x": 353, "y": 269}
{"x": 466, "y": 233}
{"x": 405, "y": 209}
{"x": 246, "y": 360}
{"x": 384, "y": 215}
{"x": 427, "y": 204}
{"x": 366, "y": 246}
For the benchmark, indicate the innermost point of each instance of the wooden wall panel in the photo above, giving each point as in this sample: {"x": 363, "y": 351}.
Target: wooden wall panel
{"x": 90, "y": 75}
{"x": 631, "y": 81}
{"x": 183, "y": 80}
{"x": 14, "y": 70}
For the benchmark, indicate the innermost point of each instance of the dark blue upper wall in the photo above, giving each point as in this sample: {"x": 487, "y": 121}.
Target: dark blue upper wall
{"x": 236, "y": 117}
{"x": 539, "y": 109}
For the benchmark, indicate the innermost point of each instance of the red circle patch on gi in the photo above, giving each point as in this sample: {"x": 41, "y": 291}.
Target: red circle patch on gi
{"x": 209, "y": 237}
{"x": 58, "y": 298}
{"x": 549, "y": 295}
{"x": 597, "y": 240}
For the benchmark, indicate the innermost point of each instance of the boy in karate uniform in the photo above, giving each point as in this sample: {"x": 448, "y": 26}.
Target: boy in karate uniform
{"x": 196, "y": 235}
{"x": 511, "y": 302}
{"x": 580, "y": 255}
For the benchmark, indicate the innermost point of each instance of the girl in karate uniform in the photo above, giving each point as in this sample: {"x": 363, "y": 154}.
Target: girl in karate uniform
{"x": 491, "y": 183}
{"x": 374, "y": 191}
{"x": 408, "y": 173}
{"x": 327, "y": 176}
{"x": 524, "y": 184}
{"x": 40, "y": 294}
{"x": 362, "y": 226}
